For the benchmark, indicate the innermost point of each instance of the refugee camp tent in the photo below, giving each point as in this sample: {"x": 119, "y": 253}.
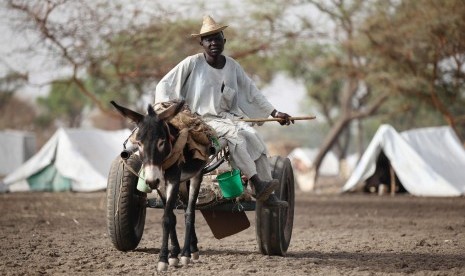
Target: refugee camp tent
{"x": 427, "y": 161}
{"x": 15, "y": 148}
{"x": 302, "y": 160}
{"x": 73, "y": 159}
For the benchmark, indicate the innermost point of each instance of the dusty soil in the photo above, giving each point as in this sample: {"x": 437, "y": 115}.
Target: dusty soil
{"x": 65, "y": 233}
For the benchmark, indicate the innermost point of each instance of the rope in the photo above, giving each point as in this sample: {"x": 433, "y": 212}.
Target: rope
{"x": 174, "y": 155}
{"x": 178, "y": 204}
{"x": 132, "y": 170}
{"x": 237, "y": 203}
{"x": 119, "y": 196}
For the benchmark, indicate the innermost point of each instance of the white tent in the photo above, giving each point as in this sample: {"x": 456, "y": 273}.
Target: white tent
{"x": 73, "y": 159}
{"x": 302, "y": 161}
{"x": 427, "y": 161}
{"x": 15, "y": 148}
{"x": 329, "y": 166}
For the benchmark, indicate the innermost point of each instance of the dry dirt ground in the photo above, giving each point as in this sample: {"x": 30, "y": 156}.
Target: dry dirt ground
{"x": 355, "y": 234}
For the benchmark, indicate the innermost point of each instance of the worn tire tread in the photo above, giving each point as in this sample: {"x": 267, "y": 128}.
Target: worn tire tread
{"x": 122, "y": 227}
{"x": 274, "y": 226}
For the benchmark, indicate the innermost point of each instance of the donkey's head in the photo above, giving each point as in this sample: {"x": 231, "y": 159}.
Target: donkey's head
{"x": 152, "y": 138}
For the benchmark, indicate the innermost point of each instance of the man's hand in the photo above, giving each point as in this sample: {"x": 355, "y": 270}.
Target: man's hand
{"x": 285, "y": 118}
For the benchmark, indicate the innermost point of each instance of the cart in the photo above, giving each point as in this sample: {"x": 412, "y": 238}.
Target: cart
{"x": 127, "y": 207}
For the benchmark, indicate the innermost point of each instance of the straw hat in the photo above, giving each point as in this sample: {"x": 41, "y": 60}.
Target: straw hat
{"x": 209, "y": 26}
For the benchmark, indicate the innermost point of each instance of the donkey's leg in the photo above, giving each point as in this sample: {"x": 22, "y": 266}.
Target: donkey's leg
{"x": 168, "y": 222}
{"x": 194, "y": 249}
{"x": 193, "y": 244}
{"x": 194, "y": 188}
{"x": 175, "y": 249}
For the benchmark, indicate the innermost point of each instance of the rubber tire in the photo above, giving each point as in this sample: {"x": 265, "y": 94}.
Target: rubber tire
{"x": 274, "y": 226}
{"x": 126, "y": 206}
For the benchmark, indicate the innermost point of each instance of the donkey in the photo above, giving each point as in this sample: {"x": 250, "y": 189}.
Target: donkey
{"x": 155, "y": 139}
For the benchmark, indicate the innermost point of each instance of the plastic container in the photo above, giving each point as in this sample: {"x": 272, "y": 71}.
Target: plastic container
{"x": 141, "y": 185}
{"x": 230, "y": 184}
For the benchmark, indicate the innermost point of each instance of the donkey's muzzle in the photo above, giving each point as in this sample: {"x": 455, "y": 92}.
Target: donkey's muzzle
{"x": 153, "y": 176}
{"x": 153, "y": 184}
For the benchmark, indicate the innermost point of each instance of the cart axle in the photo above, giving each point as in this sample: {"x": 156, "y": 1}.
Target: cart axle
{"x": 223, "y": 206}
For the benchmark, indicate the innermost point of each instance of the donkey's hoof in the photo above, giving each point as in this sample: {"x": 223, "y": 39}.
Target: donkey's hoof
{"x": 162, "y": 266}
{"x": 173, "y": 261}
{"x": 185, "y": 260}
{"x": 195, "y": 256}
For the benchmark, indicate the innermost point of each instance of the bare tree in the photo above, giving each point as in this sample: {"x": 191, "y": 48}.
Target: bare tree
{"x": 112, "y": 50}
{"x": 335, "y": 72}
{"x": 425, "y": 65}
{"x": 377, "y": 61}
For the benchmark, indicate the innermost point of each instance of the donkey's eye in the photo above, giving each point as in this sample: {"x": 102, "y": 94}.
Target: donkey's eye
{"x": 161, "y": 144}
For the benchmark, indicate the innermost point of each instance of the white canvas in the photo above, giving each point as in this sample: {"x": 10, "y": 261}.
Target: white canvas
{"x": 427, "y": 161}
{"x": 84, "y": 156}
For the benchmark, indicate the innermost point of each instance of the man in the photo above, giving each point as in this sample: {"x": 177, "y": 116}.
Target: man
{"x": 217, "y": 88}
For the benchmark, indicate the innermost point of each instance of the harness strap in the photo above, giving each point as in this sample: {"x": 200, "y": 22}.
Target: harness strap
{"x": 131, "y": 169}
{"x": 176, "y": 154}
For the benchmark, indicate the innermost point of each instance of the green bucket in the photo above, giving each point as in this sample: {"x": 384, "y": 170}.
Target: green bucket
{"x": 230, "y": 184}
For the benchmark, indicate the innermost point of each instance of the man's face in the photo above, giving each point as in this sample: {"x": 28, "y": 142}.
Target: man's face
{"x": 213, "y": 44}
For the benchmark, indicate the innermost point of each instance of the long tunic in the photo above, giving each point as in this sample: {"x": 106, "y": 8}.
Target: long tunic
{"x": 200, "y": 85}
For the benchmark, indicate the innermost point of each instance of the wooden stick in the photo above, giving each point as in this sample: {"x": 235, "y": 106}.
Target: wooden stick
{"x": 277, "y": 119}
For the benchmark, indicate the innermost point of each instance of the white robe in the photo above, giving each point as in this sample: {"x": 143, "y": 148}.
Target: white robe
{"x": 199, "y": 84}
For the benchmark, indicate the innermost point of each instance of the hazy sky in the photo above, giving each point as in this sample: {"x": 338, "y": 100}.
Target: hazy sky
{"x": 286, "y": 95}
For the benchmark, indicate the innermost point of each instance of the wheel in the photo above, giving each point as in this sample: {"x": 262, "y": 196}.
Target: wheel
{"x": 126, "y": 206}
{"x": 274, "y": 226}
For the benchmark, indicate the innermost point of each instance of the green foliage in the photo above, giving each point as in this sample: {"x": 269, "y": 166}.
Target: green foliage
{"x": 412, "y": 50}
{"x": 315, "y": 65}
{"x": 417, "y": 48}
{"x": 135, "y": 58}
{"x": 64, "y": 102}
{"x": 46, "y": 120}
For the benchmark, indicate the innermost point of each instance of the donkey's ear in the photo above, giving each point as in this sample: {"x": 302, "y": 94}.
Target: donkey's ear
{"x": 171, "y": 111}
{"x": 128, "y": 113}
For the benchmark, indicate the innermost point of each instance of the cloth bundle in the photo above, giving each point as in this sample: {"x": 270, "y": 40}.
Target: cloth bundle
{"x": 200, "y": 135}
{"x": 193, "y": 132}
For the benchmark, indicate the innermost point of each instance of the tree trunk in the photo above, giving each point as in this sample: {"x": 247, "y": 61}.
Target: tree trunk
{"x": 328, "y": 143}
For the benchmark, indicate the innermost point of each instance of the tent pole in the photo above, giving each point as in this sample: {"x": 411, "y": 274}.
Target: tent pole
{"x": 393, "y": 181}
